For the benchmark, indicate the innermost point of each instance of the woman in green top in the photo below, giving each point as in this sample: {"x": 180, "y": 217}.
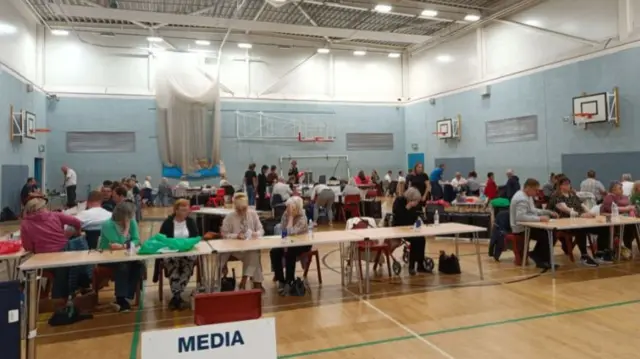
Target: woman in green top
{"x": 121, "y": 228}
{"x": 635, "y": 194}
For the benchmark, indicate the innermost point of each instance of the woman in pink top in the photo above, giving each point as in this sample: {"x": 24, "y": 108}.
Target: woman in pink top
{"x": 361, "y": 179}
{"x": 625, "y": 207}
{"x": 42, "y": 231}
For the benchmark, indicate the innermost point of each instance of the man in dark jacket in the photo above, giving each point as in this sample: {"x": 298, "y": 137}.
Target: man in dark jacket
{"x": 513, "y": 184}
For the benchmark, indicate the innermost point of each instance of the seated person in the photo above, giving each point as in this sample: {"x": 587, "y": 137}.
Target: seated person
{"x": 119, "y": 195}
{"x": 295, "y": 222}
{"x": 351, "y": 189}
{"x": 42, "y": 231}
{"x": 107, "y": 193}
{"x": 93, "y": 217}
{"x": 523, "y": 209}
{"x": 116, "y": 232}
{"x": 550, "y": 187}
{"x": 406, "y": 210}
{"x": 30, "y": 187}
{"x": 458, "y": 182}
{"x": 282, "y": 189}
{"x": 564, "y": 201}
{"x": 323, "y": 196}
{"x": 362, "y": 179}
{"x": 179, "y": 270}
{"x": 244, "y": 224}
{"x": 625, "y": 207}
{"x": 184, "y": 183}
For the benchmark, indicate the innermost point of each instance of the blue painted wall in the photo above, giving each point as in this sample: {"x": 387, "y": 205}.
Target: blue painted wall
{"x": 14, "y": 92}
{"x": 105, "y": 114}
{"x": 548, "y": 95}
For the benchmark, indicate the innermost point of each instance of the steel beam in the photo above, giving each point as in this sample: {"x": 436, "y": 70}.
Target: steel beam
{"x": 549, "y": 32}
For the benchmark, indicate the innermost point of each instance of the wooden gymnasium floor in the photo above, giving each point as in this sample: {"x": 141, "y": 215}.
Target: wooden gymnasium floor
{"x": 587, "y": 313}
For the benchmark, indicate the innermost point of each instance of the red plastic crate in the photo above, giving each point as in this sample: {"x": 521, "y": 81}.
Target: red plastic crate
{"x": 226, "y": 307}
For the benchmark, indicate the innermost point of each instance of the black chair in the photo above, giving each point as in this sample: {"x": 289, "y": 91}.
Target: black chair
{"x": 92, "y": 238}
{"x": 278, "y": 206}
{"x": 322, "y": 179}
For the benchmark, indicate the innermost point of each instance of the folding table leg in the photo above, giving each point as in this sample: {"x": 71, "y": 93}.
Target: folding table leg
{"x": 551, "y": 256}
{"x": 476, "y": 239}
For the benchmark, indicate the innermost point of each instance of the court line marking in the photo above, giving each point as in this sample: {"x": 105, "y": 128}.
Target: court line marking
{"x": 404, "y": 327}
{"x": 135, "y": 340}
{"x": 460, "y": 329}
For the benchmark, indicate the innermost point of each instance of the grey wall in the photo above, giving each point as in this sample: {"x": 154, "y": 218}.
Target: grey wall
{"x": 103, "y": 114}
{"x": 548, "y": 95}
{"x": 463, "y": 165}
{"x": 608, "y": 166}
{"x": 14, "y": 92}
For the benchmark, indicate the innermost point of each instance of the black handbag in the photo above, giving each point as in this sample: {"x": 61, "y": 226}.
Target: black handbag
{"x": 448, "y": 264}
{"x": 228, "y": 284}
{"x": 298, "y": 288}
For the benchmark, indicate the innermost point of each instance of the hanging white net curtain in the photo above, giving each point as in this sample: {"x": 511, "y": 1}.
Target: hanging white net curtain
{"x": 188, "y": 117}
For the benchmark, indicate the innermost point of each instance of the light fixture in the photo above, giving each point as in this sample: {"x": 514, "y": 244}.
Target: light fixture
{"x": 154, "y": 39}
{"x": 59, "y": 32}
{"x": 444, "y": 58}
{"x": 201, "y": 51}
{"x": 6, "y": 29}
{"x": 382, "y": 8}
{"x": 394, "y": 55}
{"x": 472, "y": 17}
{"x": 429, "y": 13}
{"x": 243, "y": 45}
{"x": 535, "y": 23}
{"x": 203, "y": 42}
{"x": 359, "y": 53}
{"x": 324, "y": 51}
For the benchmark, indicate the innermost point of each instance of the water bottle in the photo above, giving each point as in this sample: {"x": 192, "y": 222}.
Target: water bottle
{"x": 310, "y": 229}
{"x": 436, "y": 218}
{"x": 417, "y": 225}
{"x": 615, "y": 213}
{"x": 573, "y": 215}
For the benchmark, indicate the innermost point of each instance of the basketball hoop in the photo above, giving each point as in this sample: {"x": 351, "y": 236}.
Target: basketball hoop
{"x": 439, "y": 134}
{"x": 42, "y": 130}
{"x": 582, "y": 119}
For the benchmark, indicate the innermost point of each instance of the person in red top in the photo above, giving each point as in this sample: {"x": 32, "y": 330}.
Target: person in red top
{"x": 362, "y": 179}
{"x": 490, "y": 188}
{"x": 42, "y": 231}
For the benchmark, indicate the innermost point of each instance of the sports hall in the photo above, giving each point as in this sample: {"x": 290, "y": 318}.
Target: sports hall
{"x": 172, "y": 114}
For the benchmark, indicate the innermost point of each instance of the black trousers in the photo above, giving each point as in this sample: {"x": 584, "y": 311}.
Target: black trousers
{"x": 416, "y": 254}
{"x": 580, "y": 237}
{"x": 630, "y": 233}
{"x": 71, "y": 196}
{"x": 540, "y": 252}
{"x": 290, "y": 257}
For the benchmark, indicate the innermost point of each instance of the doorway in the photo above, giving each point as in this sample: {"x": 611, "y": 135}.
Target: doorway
{"x": 414, "y": 158}
{"x": 38, "y": 171}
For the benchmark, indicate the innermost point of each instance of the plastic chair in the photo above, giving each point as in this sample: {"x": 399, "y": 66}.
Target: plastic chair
{"x": 218, "y": 200}
{"x": 515, "y": 240}
{"x": 374, "y": 246}
{"x": 351, "y": 204}
{"x": 306, "y": 259}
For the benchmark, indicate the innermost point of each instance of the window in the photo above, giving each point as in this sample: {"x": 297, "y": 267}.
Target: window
{"x": 369, "y": 141}
{"x": 83, "y": 142}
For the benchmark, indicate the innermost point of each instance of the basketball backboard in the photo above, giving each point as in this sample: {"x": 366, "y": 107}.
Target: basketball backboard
{"x": 596, "y": 108}
{"x": 448, "y": 128}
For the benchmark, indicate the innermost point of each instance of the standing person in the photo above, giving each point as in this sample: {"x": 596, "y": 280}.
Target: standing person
{"x": 272, "y": 177}
{"x": 513, "y": 184}
{"x": 322, "y": 196}
{"x": 402, "y": 184}
{"x": 70, "y": 185}
{"x": 107, "y": 198}
{"x": 436, "y": 176}
{"x": 164, "y": 192}
{"x": 550, "y": 186}
{"x": 406, "y": 210}
{"x": 251, "y": 183}
{"x": 282, "y": 189}
{"x": 263, "y": 203}
{"x": 420, "y": 181}
{"x": 490, "y": 188}
{"x": 30, "y": 187}
{"x": 593, "y": 186}
{"x": 386, "y": 181}
{"x": 293, "y": 172}
{"x": 473, "y": 186}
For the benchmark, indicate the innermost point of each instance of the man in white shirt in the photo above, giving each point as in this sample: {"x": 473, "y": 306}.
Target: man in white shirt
{"x": 184, "y": 183}
{"x": 322, "y": 196}
{"x": 385, "y": 182}
{"x": 94, "y": 215}
{"x": 70, "y": 184}
{"x": 627, "y": 184}
{"x": 458, "y": 181}
{"x": 282, "y": 189}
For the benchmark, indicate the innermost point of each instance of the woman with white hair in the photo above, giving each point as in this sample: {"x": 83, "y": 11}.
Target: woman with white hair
{"x": 244, "y": 224}
{"x": 351, "y": 189}
{"x": 294, "y": 221}
{"x": 406, "y": 210}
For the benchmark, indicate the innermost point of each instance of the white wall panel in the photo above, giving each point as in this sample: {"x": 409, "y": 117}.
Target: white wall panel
{"x": 18, "y": 50}
{"x": 119, "y": 66}
{"x": 444, "y": 68}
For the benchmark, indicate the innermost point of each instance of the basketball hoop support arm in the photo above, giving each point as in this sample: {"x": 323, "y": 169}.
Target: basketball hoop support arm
{"x": 283, "y": 159}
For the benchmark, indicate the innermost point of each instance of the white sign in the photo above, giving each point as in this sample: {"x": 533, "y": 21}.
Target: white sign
{"x": 246, "y": 339}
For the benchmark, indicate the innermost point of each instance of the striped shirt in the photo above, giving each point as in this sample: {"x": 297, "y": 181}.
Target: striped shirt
{"x": 594, "y": 186}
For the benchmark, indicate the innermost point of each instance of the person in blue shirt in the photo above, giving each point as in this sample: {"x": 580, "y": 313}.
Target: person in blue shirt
{"x": 435, "y": 178}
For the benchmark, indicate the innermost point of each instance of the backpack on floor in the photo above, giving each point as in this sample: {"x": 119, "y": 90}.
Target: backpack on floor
{"x": 298, "y": 288}
{"x": 448, "y": 264}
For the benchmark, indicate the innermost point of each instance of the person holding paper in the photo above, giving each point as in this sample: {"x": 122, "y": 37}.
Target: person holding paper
{"x": 116, "y": 232}
{"x": 244, "y": 224}
{"x": 294, "y": 221}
